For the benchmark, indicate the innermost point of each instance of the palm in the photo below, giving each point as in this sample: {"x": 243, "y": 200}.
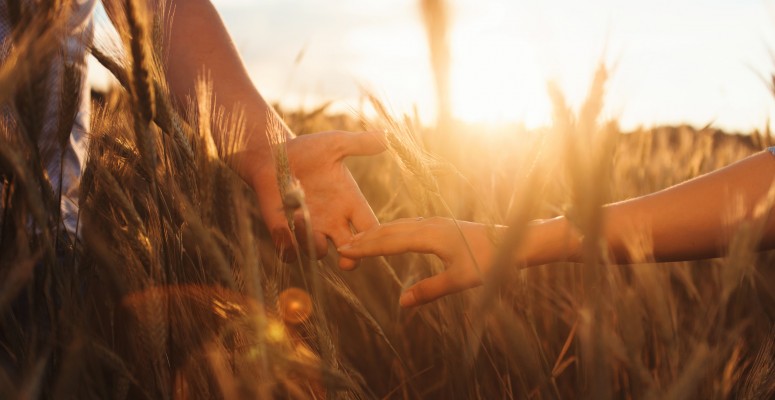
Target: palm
{"x": 335, "y": 203}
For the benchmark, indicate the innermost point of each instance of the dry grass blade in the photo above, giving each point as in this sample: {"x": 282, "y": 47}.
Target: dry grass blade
{"x": 697, "y": 366}
{"x": 33, "y": 383}
{"x": 134, "y": 232}
{"x": 112, "y": 65}
{"x": 13, "y": 162}
{"x": 561, "y": 364}
{"x": 593, "y": 105}
{"x": 166, "y": 116}
{"x": 34, "y": 193}
{"x": 33, "y": 44}
{"x": 502, "y": 263}
{"x": 142, "y": 80}
{"x": 411, "y": 157}
{"x": 402, "y": 143}
{"x": 154, "y": 261}
{"x": 142, "y": 84}
{"x": 70, "y": 101}
{"x": 15, "y": 278}
{"x": 197, "y": 233}
{"x": 435, "y": 15}
{"x": 205, "y": 151}
{"x": 276, "y": 133}
{"x": 114, "y": 189}
{"x": 340, "y": 287}
{"x": 759, "y": 382}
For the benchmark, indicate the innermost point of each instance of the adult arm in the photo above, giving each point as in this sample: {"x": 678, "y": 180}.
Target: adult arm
{"x": 198, "y": 42}
{"x": 692, "y": 220}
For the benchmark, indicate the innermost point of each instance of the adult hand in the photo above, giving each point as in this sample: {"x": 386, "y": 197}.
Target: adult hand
{"x": 336, "y": 205}
{"x": 437, "y": 236}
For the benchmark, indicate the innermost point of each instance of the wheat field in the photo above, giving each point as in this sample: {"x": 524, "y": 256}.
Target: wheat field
{"x": 174, "y": 289}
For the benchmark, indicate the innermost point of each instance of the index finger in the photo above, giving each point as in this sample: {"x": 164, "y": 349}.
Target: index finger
{"x": 363, "y": 143}
{"x": 402, "y": 236}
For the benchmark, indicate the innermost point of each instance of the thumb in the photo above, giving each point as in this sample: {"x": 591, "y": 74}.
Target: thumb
{"x": 363, "y": 143}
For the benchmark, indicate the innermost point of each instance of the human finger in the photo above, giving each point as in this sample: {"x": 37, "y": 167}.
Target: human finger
{"x": 341, "y": 236}
{"x": 347, "y": 264}
{"x": 362, "y": 143}
{"x": 319, "y": 243}
{"x": 395, "y": 238}
{"x": 430, "y": 289}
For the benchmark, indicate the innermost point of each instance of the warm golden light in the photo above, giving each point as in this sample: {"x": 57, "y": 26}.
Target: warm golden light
{"x": 494, "y": 81}
{"x": 690, "y": 65}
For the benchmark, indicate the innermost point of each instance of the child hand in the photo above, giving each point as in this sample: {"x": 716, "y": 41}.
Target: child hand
{"x": 438, "y": 236}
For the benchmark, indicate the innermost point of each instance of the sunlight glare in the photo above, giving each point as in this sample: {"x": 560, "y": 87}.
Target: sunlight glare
{"x": 494, "y": 80}
{"x": 496, "y": 75}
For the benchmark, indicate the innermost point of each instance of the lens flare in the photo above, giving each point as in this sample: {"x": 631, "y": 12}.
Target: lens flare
{"x": 295, "y": 305}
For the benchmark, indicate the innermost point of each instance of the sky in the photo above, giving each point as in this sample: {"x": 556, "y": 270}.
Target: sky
{"x": 682, "y": 61}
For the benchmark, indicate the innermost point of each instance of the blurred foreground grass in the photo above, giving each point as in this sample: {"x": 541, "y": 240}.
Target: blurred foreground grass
{"x": 174, "y": 290}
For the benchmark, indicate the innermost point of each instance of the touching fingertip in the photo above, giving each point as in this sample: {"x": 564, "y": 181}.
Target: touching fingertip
{"x": 407, "y": 299}
{"x": 346, "y": 264}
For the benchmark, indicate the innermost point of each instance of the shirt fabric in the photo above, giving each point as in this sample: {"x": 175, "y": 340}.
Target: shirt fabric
{"x": 69, "y": 164}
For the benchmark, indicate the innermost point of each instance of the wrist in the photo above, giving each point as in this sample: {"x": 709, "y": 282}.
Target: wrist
{"x": 255, "y": 150}
{"x": 551, "y": 240}
{"x": 254, "y": 167}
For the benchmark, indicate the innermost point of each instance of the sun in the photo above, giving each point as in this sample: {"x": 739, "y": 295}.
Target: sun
{"x": 495, "y": 80}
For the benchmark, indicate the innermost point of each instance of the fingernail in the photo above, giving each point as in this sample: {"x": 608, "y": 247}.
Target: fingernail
{"x": 345, "y": 247}
{"x": 406, "y": 299}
